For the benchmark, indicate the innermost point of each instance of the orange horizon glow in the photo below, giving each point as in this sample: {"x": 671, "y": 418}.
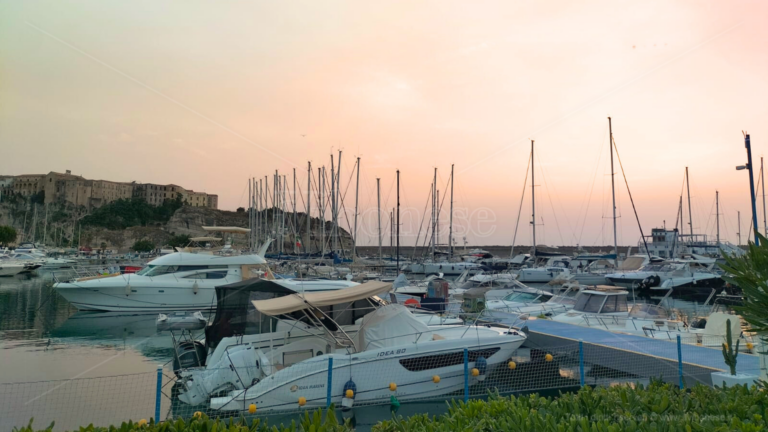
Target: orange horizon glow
{"x": 208, "y": 95}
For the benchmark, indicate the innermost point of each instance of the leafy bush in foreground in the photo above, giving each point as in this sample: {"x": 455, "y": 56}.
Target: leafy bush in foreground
{"x": 314, "y": 422}
{"x": 658, "y": 407}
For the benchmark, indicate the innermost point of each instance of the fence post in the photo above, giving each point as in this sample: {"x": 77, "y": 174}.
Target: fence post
{"x": 466, "y": 375}
{"x": 330, "y": 382}
{"x": 158, "y": 393}
{"x": 680, "y": 361}
{"x": 581, "y": 362}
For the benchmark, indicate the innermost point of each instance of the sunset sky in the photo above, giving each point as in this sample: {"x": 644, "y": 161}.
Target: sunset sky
{"x": 208, "y": 94}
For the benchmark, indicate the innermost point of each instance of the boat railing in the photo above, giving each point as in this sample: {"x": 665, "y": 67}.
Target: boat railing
{"x": 80, "y": 272}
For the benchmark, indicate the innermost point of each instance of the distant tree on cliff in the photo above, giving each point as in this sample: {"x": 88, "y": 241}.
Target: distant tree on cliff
{"x": 38, "y": 198}
{"x": 240, "y": 210}
{"x": 124, "y": 213}
{"x": 143, "y": 246}
{"x": 179, "y": 240}
{"x": 7, "y": 235}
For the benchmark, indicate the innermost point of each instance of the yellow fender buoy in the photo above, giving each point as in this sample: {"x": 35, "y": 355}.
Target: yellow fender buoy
{"x": 512, "y": 365}
{"x": 475, "y": 372}
{"x": 436, "y": 379}
{"x": 252, "y": 408}
{"x": 142, "y": 422}
{"x": 302, "y": 401}
{"x": 392, "y": 386}
{"x": 750, "y": 345}
{"x": 197, "y": 414}
{"x": 349, "y": 394}
{"x": 548, "y": 357}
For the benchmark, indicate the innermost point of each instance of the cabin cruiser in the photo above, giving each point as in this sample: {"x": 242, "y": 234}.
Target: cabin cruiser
{"x": 423, "y": 361}
{"x": 11, "y": 267}
{"x": 519, "y": 297}
{"x": 178, "y": 281}
{"x": 593, "y": 304}
{"x": 681, "y": 275}
{"x": 556, "y": 267}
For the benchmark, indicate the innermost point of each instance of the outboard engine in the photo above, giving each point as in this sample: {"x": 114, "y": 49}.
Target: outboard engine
{"x": 649, "y": 282}
{"x": 189, "y": 354}
{"x": 699, "y": 323}
{"x": 241, "y": 368}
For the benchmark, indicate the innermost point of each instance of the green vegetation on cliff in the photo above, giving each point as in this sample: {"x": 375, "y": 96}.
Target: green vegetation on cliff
{"x": 125, "y": 213}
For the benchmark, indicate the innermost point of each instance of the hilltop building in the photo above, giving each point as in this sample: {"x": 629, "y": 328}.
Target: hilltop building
{"x": 78, "y": 190}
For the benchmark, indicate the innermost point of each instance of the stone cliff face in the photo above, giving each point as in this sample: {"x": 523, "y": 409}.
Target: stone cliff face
{"x": 62, "y": 221}
{"x": 190, "y": 220}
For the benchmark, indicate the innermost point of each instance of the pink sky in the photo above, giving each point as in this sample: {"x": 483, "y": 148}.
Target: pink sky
{"x": 206, "y": 95}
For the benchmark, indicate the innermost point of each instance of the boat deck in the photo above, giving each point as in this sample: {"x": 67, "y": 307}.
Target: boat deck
{"x": 634, "y": 354}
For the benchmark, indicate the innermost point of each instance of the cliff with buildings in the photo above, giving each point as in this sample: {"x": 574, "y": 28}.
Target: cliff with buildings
{"x": 59, "y": 224}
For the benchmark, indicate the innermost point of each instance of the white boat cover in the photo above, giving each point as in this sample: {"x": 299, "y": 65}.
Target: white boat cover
{"x": 400, "y": 281}
{"x": 226, "y": 229}
{"x": 388, "y": 326}
{"x": 297, "y": 302}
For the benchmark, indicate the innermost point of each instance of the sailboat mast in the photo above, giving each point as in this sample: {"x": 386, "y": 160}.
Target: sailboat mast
{"x": 397, "y": 251}
{"x": 450, "y": 217}
{"x": 437, "y": 219}
{"x": 533, "y": 205}
{"x": 337, "y": 237}
{"x": 613, "y": 196}
{"x": 322, "y": 209}
{"x": 762, "y": 181}
{"x": 357, "y": 190}
{"x": 378, "y": 211}
{"x": 293, "y": 221}
{"x": 284, "y": 208}
{"x": 309, "y": 207}
{"x": 250, "y": 214}
{"x": 333, "y": 205}
{"x": 717, "y": 215}
{"x": 434, "y": 210}
{"x": 690, "y": 214}
{"x": 738, "y": 218}
{"x": 45, "y": 225}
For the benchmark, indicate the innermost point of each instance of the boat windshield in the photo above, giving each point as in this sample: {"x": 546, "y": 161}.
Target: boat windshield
{"x": 563, "y": 300}
{"x": 648, "y": 311}
{"x": 523, "y": 297}
{"x": 157, "y": 270}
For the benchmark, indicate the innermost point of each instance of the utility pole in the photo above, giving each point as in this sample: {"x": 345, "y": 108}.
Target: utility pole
{"x": 357, "y": 189}
{"x": 717, "y": 215}
{"x": 378, "y": 211}
{"x": 613, "y": 196}
{"x": 748, "y": 146}
{"x": 450, "y": 217}
{"x": 533, "y": 206}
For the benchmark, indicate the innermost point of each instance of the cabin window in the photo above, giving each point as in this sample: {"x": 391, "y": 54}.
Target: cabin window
{"x": 610, "y": 305}
{"x": 422, "y": 363}
{"x": 589, "y": 303}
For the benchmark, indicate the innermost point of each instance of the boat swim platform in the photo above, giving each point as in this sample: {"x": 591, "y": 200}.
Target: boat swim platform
{"x": 630, "y": 354}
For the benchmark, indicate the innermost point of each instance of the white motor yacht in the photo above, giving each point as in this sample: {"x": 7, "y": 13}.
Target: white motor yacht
{"x": 555, "y": 268}
{"x": 591, "y": 305}
{"x": 10, "y": 267}
{"x": 532, "y": 302}
{"x": 391, "y": 346}
{"x": 177, "y": 281}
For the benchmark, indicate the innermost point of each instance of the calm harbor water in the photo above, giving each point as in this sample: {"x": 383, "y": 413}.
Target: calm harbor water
{"x": 43, "y": 337}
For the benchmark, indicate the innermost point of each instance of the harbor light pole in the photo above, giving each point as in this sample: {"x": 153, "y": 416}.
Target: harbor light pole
{"x": 748, "y": 166}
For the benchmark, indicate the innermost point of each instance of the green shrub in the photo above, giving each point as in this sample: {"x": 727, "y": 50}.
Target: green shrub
{"x": 143, "y": 246}
{"x": 659, "y": 407}
{"x": 313, "y": 421}
{"x": 124, "y": 213}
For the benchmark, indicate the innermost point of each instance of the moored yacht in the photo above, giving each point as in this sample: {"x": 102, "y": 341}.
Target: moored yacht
{"x": 177, "y": 281}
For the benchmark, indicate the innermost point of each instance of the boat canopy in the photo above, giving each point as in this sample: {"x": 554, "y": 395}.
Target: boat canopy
{"x": 388, "y": 326}
{"x": 632, "y": 263}
{"x": 234, "y": 311}
{"x": 204, "y": 239}
{"x": 226, "y": 229}
{"x": 297, "y": 302}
